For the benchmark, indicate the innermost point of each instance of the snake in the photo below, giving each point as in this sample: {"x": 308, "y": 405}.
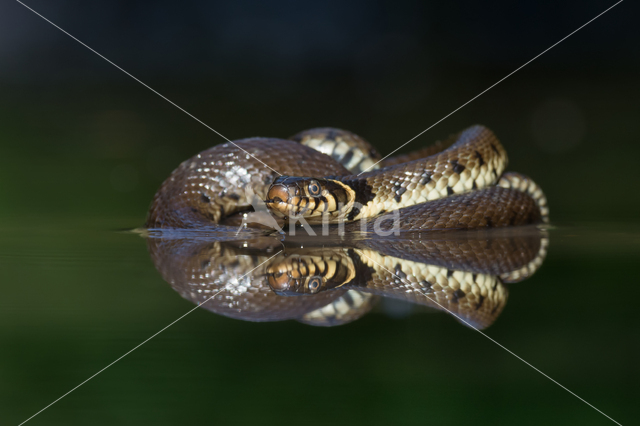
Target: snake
{"x": 333, "y": 175}
{"x": 265, "y": 279}
{"x": 458, "y": 183}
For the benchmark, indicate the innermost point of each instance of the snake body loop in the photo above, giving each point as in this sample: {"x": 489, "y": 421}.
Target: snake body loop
{"x": 348, "y": 149}
{"x": 474, "y": 161}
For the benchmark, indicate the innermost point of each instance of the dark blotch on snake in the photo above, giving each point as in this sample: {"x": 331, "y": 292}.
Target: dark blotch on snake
{"x": 458, "y": 168}
{"x": 479, "y": 157}
{"x": 480, "y": 302}
{"x": 205, "y": 199}
{"x": 347, "y": 157}
{"x": 364, "y": 191}
{"x": 399, "y": 190}
{"x": 353, "y": 213}
{"x": 325, "y": 205}
{"x": 363, "y": 271}
{"x": 426, "y": 179}
{"x": 457, "y": 295}
{"x": 331, "y": 135}
{"x": 349, "y": 299}
{"x": 427, "y": 288}
{"x": 399, "y": 273}
{"x": 449, "y": 190}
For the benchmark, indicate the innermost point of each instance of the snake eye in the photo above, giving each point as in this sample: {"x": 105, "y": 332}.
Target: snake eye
{"x": 314, "y": 188}
{"x": 314, "y": 284}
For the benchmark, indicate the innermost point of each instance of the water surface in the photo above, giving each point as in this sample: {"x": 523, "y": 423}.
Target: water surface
{"x": 78, "y": 294}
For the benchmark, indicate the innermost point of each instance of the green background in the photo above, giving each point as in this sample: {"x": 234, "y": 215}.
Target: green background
{"x": 83, "y": 149}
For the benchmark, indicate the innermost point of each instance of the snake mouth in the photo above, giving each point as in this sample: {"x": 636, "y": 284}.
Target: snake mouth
{"x": 309, "y": 198}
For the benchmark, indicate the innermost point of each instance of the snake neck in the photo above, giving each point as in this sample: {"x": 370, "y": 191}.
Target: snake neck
{"x": 347, "y": 209}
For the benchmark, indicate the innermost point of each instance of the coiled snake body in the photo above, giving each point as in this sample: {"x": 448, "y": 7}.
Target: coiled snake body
{"x": 456, "y": 184}
{"x": 462, "y": 273}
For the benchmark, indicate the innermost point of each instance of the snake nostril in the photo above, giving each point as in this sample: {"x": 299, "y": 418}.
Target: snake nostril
{"x": 293, "y": 191}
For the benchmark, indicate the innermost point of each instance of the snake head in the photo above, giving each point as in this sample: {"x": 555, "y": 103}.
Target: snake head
{"x": 309, "y": 198}
{"x": 297, "y": 275}
{"x": 285, "y": 284}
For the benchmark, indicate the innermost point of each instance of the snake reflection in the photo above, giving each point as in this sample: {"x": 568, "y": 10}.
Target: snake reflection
{"x": 264, "y": 279}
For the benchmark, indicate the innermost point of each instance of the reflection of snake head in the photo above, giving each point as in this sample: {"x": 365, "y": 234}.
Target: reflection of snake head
{"x": 310, "y": 198}
{"x": 296, "y": 275}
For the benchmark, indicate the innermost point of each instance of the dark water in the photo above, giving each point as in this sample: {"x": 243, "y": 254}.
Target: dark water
{"x": 79, "y": 295}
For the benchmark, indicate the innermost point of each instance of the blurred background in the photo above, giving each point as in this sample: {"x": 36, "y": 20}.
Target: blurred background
{"x": 83, "y": 148}
{"x": 385, "y": 70}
